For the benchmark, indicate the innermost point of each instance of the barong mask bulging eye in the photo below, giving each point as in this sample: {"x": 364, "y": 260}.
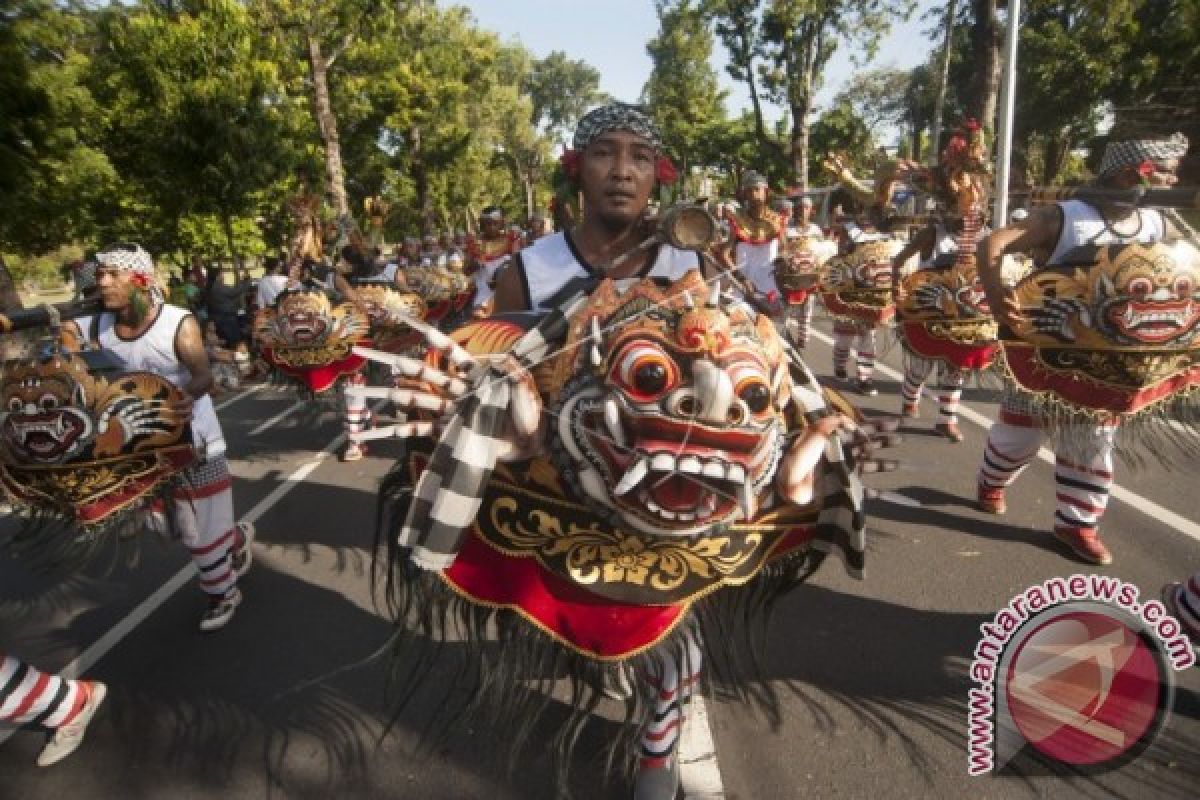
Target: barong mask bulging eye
{"x": 679, "y": 426}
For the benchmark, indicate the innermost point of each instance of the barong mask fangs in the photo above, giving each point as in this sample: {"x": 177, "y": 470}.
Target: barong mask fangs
{"x": 676, "y": 422}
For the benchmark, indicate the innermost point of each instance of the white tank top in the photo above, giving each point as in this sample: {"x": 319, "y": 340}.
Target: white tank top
{"x": 1083, "y": 225}
{"x": 154, "y": 351}
{"x": 485, "y": 276}
{"x": 757, "y": 262}
{"x": 552, "y": 261}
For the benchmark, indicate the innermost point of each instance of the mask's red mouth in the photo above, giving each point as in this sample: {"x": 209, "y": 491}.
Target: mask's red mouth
{"x": 305, "y": 327}
{"x": 45, "y": 436}
{"x": 1155, "y": 323}
{"x": 681, "y": 475}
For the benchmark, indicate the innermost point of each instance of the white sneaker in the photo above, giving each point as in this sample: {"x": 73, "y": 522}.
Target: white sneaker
{"x": 242, "y": 556}
{"x": 68, "y": 737}
{"x": 221, "y": 611}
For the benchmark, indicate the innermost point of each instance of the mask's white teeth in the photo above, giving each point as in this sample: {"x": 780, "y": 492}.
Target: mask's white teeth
{"x": 713, "y": 469}
{"x": 612, "y": 419}
{"x": 736, "y": 473}
{"x": 663, "y": 462}
{"x": 633, "y": 476}
{"x": 690, "y": 464}
{"x": 685, "y": 516}
{"x": 597, "y": 338}
{"x": 746, "y": 500}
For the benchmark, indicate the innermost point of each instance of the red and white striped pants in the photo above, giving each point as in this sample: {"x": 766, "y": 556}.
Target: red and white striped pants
{"x": 1081, "y": 482}
{"x": 29, "y": 696}
{"x": 859, "y": 337}
{"x": 673, "y": 681}
{"x": 797, "y": 321}
{"x": 949, "y": 392}
{"x": 202, "y": 508}
{"x": 356, "y": 416}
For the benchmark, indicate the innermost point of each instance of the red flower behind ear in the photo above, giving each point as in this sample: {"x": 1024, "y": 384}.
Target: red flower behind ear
{"x": 570, "y": 163}
{"x": 665, "y": 170}
{"x": 140, "y": 280}
{"x": 1146, "y": 168}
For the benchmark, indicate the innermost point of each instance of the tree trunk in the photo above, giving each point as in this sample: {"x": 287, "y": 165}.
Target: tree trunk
{"x": 327, "y": 124}
{"x": 939, "y": 102}
{"x": 1054, "y": 153}
{"x": 227, "y": 227}
{"x": 985, "y": 46}
{"x": 9, "y": 299}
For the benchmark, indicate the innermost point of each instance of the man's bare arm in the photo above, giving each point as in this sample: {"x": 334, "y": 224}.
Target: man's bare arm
{"x": 189, "y": 346}
{"x": 510, "y": 291}
{"x": 1035, "y": 235}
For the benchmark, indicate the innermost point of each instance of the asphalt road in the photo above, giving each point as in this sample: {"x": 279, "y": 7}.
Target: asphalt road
{"x": 290, "y": 700}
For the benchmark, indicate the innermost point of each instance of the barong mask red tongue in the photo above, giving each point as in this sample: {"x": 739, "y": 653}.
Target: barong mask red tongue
{"x": 680, "y": 428}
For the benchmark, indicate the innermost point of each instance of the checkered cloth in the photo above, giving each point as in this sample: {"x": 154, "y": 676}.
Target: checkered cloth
{"x": 841, "y": 522}
{"x": 450, "y": 490}
{"x": 616, "y": 117}
{"x": 1131, "y": 153}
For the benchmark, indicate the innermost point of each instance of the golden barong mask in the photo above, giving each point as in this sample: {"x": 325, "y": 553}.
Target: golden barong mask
{"x": 304, "y": 329}
{"x": 1133, "y": 297}
{"x": 670, "y": 405}
{"x": 86, "y": 447}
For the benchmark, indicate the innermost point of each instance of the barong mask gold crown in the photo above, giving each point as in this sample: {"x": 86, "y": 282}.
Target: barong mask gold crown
{"x": 1134, "y": 297}
{"x": 955, "y": 293}
{"x": 305, "y": 329}
{"x": 799, "y": 263}
{"x": 54, "y": 412}
{"x": 670, "y": 415}
{"x": 867, "y": 269}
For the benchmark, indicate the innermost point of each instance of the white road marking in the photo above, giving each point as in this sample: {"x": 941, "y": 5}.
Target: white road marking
{"x": 99, "y": 648}
{"x": 1135, "y": 501}
{"x": 227, "y": 402}
{"x": 275, "y": 420}
{"x": 699, "y": 772}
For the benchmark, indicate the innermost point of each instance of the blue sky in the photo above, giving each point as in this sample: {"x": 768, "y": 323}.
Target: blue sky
{"x": 611, "y": 35}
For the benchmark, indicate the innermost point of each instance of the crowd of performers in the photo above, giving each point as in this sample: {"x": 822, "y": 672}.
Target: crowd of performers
{"x": 613, "y": 448}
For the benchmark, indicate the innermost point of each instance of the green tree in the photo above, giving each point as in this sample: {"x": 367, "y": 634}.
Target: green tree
{"x": 683, "y": 93}
{"x": 198, "y": 114}
{"x": 56, "y": 183}
{"x": 1071, "y": 54}
{"x": 842, "y": 130}
{"x": 779, "y": 49}
{"x": 560, "y": 90}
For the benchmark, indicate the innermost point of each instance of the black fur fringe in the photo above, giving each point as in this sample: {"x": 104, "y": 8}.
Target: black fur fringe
{"x": 505, "y": 671}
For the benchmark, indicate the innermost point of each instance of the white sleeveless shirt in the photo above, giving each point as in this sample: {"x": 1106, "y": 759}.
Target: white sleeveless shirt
{"x": 757, "y": 262}
{"x": 944, "y": 244}
{"x": 154, "y": 351}
{"x": 552, "y": 261}
{"x": 1083, "y": 225}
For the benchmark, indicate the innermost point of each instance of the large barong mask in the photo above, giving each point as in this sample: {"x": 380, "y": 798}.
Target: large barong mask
{"x": 85, "y": 447}
{"x": 858, "y": 286}
{"x": 1114, "y": 332}
{"x": 675, "y": 422}
{"x": 310, "y": 340}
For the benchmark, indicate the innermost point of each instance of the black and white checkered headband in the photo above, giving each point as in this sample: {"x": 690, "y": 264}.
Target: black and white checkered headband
{"x": 1131, "y": 153}
{"x": 616, "y": 117}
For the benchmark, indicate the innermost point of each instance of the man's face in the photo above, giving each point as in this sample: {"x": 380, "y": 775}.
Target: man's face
{"x": 537, "y": 226}
{"x": 412, "y": 249}
{"x": 755, "y": 196}
{"x": 115, "y": 287}
{"x": 617, "y": 175}
{"x": 805, "y": 213}
{"x": 492, "y": 228}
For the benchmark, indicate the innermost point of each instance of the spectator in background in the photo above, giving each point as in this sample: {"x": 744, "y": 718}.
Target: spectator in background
{"x": 225, "y": 300}
{"x": 274, "y": 281}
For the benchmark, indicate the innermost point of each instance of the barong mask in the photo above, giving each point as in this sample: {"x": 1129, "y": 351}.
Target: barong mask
{"x": 676, "y": 423}
{"x": 304, "y": 328}
{"x": 84, "y": 447}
